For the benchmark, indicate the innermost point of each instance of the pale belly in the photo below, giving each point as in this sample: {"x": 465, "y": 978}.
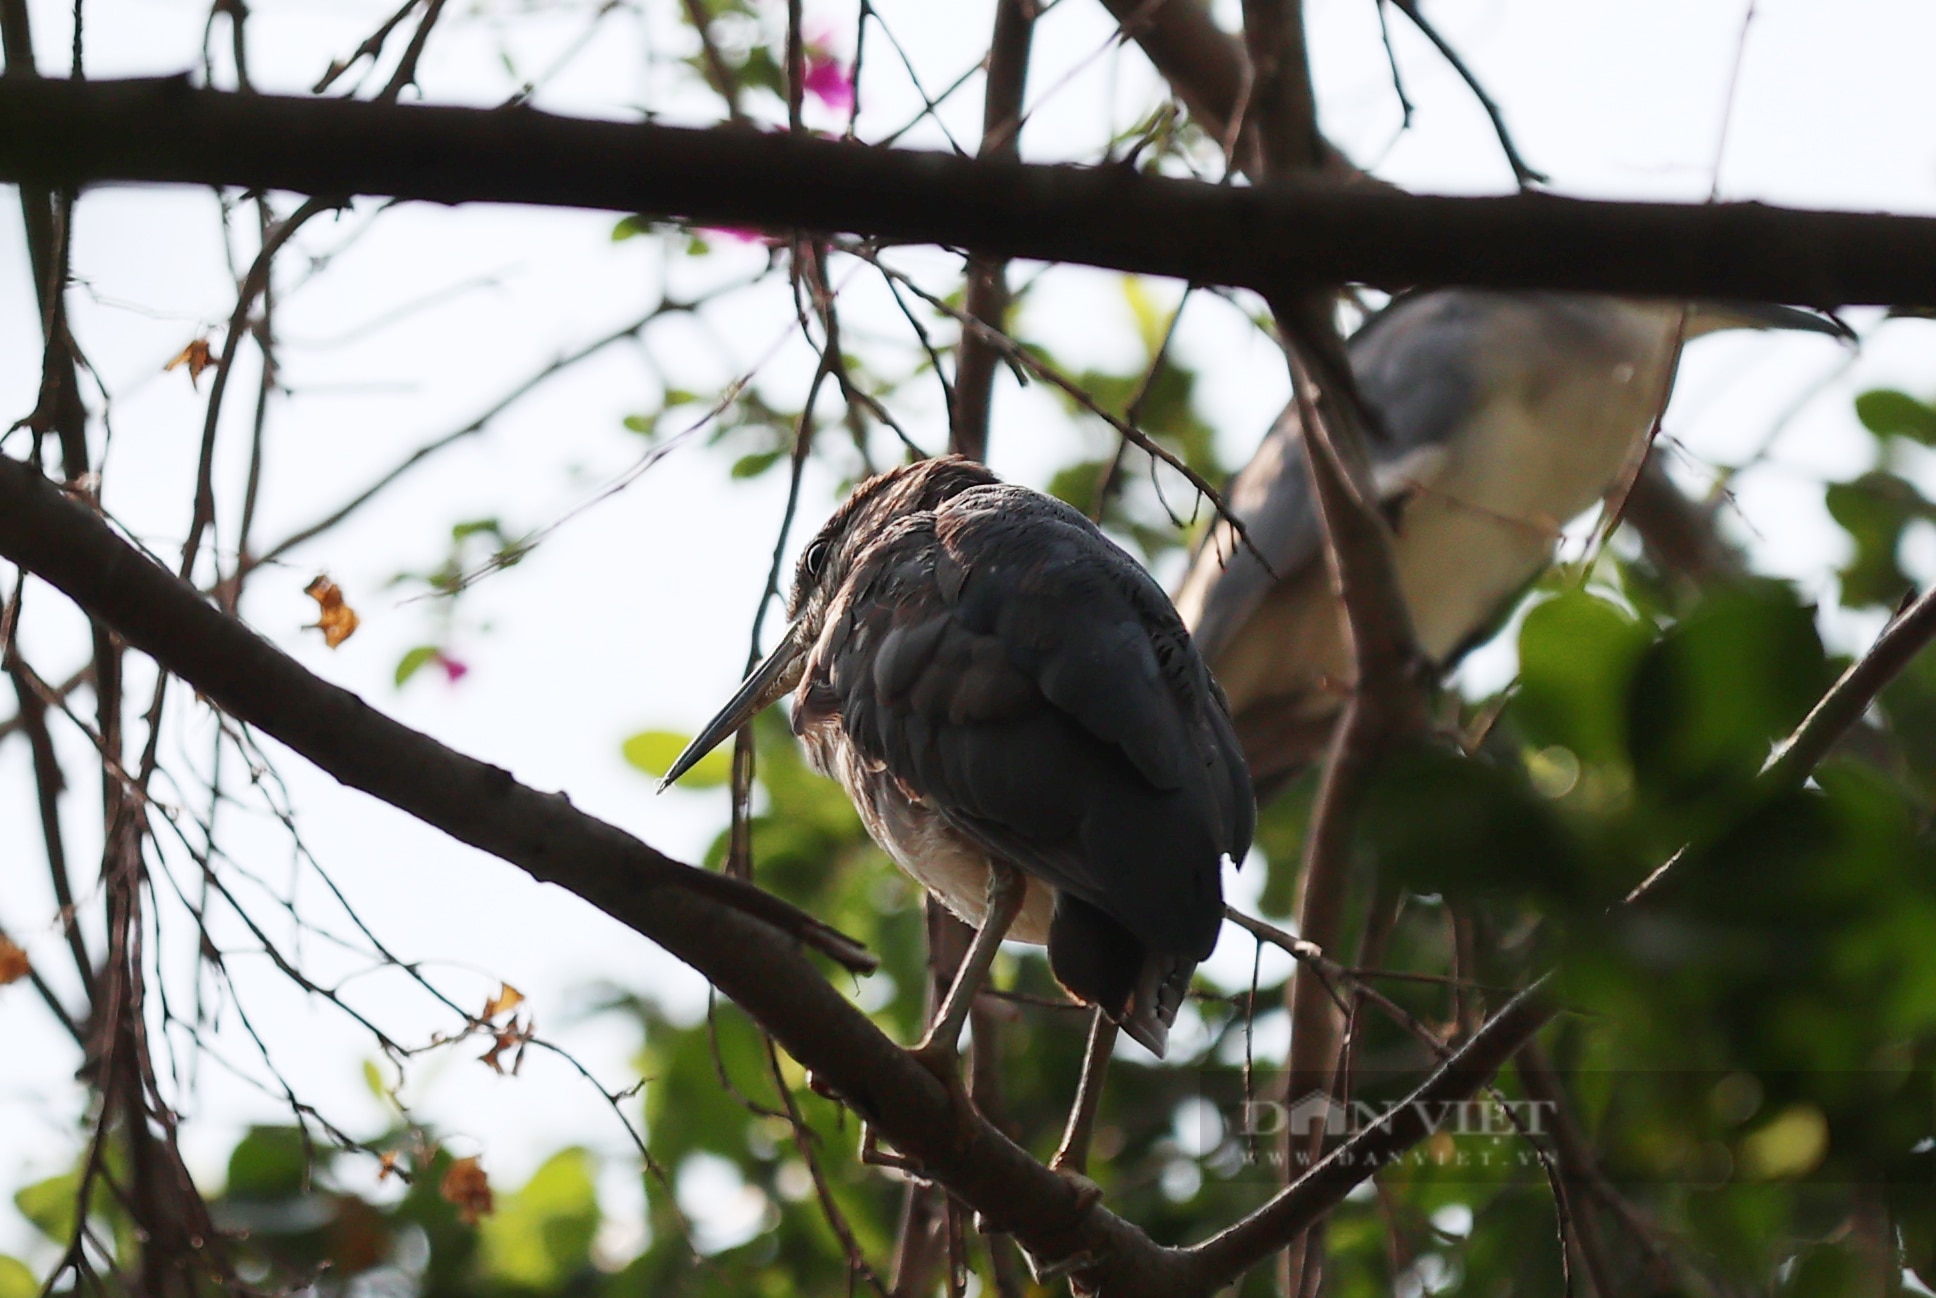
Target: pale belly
{"x": 933, "y": 853}
{"x": 1470, "y": 538}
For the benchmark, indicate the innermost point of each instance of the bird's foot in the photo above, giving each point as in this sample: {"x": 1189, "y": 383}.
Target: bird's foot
{"x": 1088, "y": 1193}
{"x": 944, "y": 1061}
{"x": 1047, "y": 1273}
{"x": 875, "y": 1154}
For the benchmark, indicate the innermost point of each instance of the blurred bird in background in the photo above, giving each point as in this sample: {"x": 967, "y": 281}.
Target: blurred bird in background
{"x": 1021, "y": 720}
{"x": 1498, "y": 418}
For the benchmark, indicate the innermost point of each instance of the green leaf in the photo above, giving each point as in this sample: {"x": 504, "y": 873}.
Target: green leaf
{"x": 1444, "y": 822}
{"x": 541, "y": 1236}
{"x": 654, "y": 752}
{"x": 643, "y": 425}
{"x": 752, "y": 466}
{"x": 1889, "y": 413}
{"x": 1711, "y": 696}
{"x": 1875, "y": 510}
{"x": 475, "y": 526}
{"x": 16, "y": 1281}
{"x": 1576, "y": 654}
{"x": 408, "y": 665}
{"x": 1075, "y": 485}
{"x": 49, "y": 1205}
{"x": 630, "y": 227}
{"x": 1152, "y": 322}
{"x": 270, "y": 1163}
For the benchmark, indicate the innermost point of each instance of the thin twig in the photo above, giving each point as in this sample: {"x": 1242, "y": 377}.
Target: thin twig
{"x": 1523, "y": 174}
{"x": 1035, "y": 365}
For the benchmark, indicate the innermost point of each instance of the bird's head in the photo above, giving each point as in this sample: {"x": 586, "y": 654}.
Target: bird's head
{"x": 822, "y": 572}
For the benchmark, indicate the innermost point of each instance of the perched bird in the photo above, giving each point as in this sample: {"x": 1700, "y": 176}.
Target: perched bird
{"x": 1022, "y": 722}
{"x": 1499, "y": 417}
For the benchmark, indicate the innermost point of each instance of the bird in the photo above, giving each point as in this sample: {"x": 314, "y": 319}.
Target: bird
{"x": 1025, "y": 728}
{"x": 1496, "y": 419}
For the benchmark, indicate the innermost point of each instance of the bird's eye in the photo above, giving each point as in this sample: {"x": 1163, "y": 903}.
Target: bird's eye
{"x": 816, "y": 558}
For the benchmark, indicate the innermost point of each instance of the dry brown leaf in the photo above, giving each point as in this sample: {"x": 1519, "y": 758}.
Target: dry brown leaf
{"x": 514, "y": 1035}
{"x": 14, "y": 964}
{"x": 507, "y": 998}
{"x": 196, "y": 356}
{"x": 466, "y": 1186}
{"x": 335, "y": 619}
{"x": 387, "y": 1165}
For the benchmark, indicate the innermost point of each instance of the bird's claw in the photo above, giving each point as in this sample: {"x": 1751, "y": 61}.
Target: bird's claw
{"x": 1088, "y": 1193}
{"x": 944, "y": 1061}
{"x": 1046, "y": 1273}
{"x": 874, "y": 1154}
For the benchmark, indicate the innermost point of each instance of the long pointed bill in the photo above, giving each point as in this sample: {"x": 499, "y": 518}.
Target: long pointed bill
{"x": 772, "y": 678}
{"x": 1710, "y": 317}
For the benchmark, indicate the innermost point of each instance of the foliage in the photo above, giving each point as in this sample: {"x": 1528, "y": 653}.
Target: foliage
{"x": 1749, "y": 1050}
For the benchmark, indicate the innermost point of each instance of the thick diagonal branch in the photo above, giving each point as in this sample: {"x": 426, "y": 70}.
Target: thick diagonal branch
{"x": 1278, "y": 237}
{"x": 746, "y": 942}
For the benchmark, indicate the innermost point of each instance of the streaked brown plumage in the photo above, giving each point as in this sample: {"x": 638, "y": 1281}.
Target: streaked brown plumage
{"x": 992, "y": 680}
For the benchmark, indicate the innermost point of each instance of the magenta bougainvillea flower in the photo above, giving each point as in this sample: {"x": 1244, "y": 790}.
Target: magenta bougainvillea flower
{"x": 827, "y": 79}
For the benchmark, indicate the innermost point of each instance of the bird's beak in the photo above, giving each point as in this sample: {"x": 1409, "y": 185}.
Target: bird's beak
{"x": 1712, "y": 317}
{"x": 772, "y": 678}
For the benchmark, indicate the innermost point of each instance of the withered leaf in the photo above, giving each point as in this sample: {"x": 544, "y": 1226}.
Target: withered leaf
{"x": 513, "y": 1036}
{"x": 335, "y": 619}
{"x": 196, "y": 356}
{"x": 507, "y": 998}
{"x": 466, "y": 1186}
{"x": 14, "y": 964}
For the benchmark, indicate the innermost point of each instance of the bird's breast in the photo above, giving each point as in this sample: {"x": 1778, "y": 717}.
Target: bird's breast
{"x": 920, "y": 840}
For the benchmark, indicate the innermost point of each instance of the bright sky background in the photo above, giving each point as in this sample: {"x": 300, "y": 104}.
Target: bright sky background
{"x": 635, "y": 614}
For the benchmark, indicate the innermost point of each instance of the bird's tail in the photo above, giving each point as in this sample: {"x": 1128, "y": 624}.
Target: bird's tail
{"x": 1160, "y": 986}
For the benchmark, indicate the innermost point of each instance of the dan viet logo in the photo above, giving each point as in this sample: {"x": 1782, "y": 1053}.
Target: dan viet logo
{"x": 1486, "y": 1137}
{"x": 1318, "y": 1111}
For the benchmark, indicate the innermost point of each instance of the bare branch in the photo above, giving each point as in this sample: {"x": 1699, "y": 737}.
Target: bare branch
{"x": 988, "y": 297}
{"x": 1275, "y": 238}
{"x": 1232, "y": 1253}
{"x": 743, "y": 940}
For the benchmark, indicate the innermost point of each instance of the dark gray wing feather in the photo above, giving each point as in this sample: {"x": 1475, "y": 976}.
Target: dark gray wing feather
{"x": 1046, "y": 699}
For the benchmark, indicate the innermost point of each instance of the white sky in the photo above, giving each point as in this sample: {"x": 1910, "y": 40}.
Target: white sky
{"x": 635, "y": 614}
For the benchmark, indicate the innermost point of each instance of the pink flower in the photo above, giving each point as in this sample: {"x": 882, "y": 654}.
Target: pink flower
{"x": 737, "y": 233}
{"x": 827, "y": 80}
{"x": 454, "y": 670}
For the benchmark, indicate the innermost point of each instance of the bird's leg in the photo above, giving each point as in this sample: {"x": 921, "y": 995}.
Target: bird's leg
{"x": 1071, "y": 1161}
{"x": 1007, "y": 887}
{"x": 1072, "y": 1157}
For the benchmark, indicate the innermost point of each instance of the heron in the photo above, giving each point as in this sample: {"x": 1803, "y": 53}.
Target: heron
{"x": 1025, "y": 727}
{"x": 1497, "y": 419}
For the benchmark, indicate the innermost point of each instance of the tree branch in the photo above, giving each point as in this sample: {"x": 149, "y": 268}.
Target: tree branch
{"x": 1280, "y": 237}
{"x": 1230, "y": 1254}
{"x": 744, "y": 941}
{"x": 987, "y": 301}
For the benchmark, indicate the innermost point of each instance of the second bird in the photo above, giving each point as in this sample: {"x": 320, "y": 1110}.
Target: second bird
{"x": 1500, "y": 417}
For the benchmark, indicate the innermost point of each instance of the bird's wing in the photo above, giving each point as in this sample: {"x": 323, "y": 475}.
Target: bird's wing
{"x": 1415, "y": 366}
{"x": 1023, "y": 676}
